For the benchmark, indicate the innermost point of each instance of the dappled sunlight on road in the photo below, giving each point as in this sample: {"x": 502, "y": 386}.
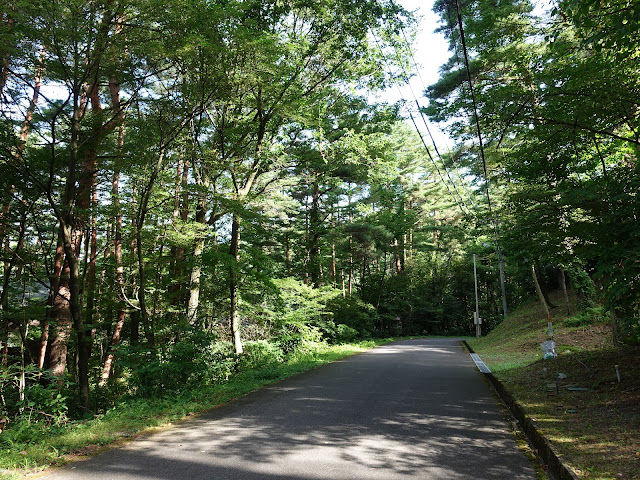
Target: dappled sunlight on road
{"x": 374, "y": 417}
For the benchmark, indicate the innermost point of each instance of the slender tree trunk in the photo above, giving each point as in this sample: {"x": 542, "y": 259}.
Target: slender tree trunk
{"x": 287, "y": 254}
{"x": 615, "y": 327}
{"x": 6, "y": 208}
{"x": 314, "y": 236}
{"x": 51, "y": 302}
{"x": 334, "y": 272}
{"x": 114, "y": 88}
{"x": 563, "y": 284}
{"x": 142, "y": 297}
{"x": 92, "y": 239}
{"x": 539, "y": 292}
{"x": 173, "y": 265}
{"x": 381, "y": 284}
{"x": 6, "y": 58}
{"x": 180, "y": 212}
{"x": 196, "y": 271}
{"x": 350, "y": 279}
{"x": 4, "y": 295}
{"x": 135, "y": 316}
{"x": 234, "y": 317}
{"x": 503, "y": 287}
{"x": 82, "y": 335}
{"x": 143, "y": 209}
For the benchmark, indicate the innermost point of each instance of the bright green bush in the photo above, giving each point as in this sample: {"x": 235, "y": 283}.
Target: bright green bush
{"x": 354, "y": 313}
{"x": 259, "y": 353}
{"x": 188, "y": 361}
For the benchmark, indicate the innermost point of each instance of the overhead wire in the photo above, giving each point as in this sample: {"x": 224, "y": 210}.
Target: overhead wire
{"x": 474, "y": 104}
{"x": 426, "y": 124}
{"x": 424, "y": 121}
{"x": 424, "y": 143}
{"x": 424, "y": 88}
{"x": 459, "y": 201}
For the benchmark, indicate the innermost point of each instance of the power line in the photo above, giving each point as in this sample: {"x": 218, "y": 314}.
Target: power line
{"x": 475, "y": 105}
{"x": 424, "y": 88}
{"x": 421, "y": 136}
{"x": 424, "y": 121}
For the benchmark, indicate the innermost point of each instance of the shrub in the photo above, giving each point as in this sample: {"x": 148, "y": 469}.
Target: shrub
{"x": 588, "y": 316}
{"x": 354, "y": 313}
{"x": 157, "y": 372}
{"x": 346, "y": 334}
{"x": 41, "y": 400}
{"x": 260, "y": 353}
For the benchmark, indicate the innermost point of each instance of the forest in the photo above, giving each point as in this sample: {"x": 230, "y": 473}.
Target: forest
{"x": 193, "y": 187}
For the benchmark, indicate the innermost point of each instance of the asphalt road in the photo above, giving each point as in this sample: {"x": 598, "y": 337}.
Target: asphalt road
{"x": 409, "y": 410}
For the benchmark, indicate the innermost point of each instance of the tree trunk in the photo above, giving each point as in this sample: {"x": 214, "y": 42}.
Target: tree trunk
{"x": 350, "y": 275}
{"x": 503, "y": 288}
{"x": 142, "y": 210}
{"x": 234, "y": 317}
{"x": 62, "y": 328}
{"x": 115, "y": 340}
{"x": 615, "y": 327}
{"x": 381, "y": 284}
{"x": 563, "y": 284}
{"x": 180, "y": 212}
{"x": 66, "y": 303}
{"x": 314, "y": 236}
{"x": 142, "y": 297}
{"x": 82, "y": 335}
{"x": 135, "y": 316}
{"x": 196, "y": 271}
{"x": 539, "y": 292}
{"x": 6, "y": 58}
{"x": 287, "y": 253}
{"x": 4, "y": 296}
{"x": 114, "y": 88}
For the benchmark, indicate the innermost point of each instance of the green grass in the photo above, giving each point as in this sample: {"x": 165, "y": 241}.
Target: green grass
{"x": 33, "y": 449}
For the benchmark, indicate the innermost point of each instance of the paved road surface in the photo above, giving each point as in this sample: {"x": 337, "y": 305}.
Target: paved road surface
{"x": 409, "y": 410}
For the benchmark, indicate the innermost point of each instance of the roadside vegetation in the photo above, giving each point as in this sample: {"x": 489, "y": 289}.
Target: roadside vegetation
{"x": 576, "y": 400}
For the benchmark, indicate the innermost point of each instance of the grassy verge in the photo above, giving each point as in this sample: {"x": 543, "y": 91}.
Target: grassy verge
{"x": 22, "y": 454}
{"x": 576, "y": 400}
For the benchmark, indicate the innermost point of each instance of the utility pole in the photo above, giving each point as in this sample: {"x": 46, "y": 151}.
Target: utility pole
{"x": 484, "y": 162}
{"x": 476, "y": 315}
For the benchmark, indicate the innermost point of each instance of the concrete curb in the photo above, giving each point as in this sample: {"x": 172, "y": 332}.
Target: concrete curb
{"x": 558, "y": 470}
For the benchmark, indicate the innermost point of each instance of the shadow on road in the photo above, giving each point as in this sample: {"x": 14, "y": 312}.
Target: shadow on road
{"x": 408, "y": 410}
